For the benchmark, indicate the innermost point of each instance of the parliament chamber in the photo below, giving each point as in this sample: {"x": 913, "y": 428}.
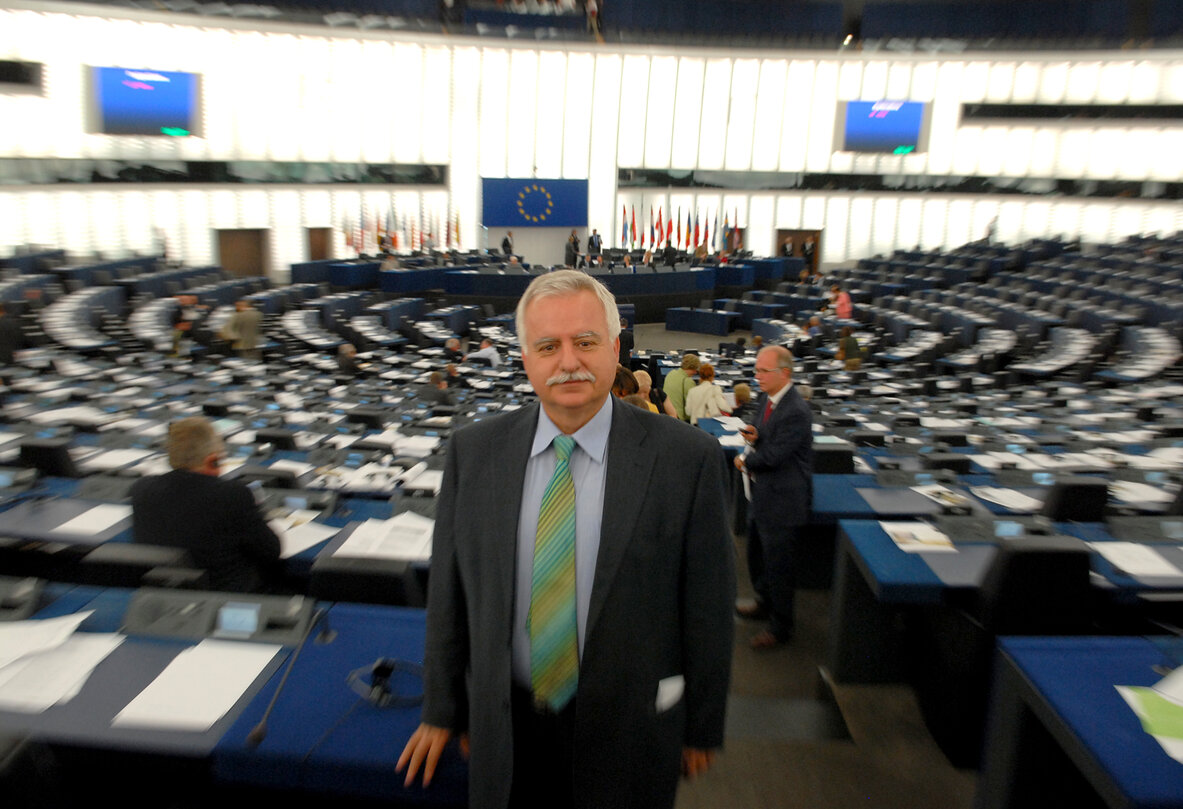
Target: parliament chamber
{"x": 992, "y": 570}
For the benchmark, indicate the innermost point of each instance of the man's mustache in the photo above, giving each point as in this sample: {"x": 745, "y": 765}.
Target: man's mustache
{"x": 574, "y": 376}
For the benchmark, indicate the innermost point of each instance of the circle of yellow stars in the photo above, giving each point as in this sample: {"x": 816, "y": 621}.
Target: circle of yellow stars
{"x": 526, "y": 195}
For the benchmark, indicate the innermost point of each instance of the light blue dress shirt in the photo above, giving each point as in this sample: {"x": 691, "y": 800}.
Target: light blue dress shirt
{"x": 588, "y": 467}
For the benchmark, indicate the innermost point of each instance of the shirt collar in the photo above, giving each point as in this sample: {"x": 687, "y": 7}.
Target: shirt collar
{"x": 780, "y": 394}
{"x": 592, "y": 437}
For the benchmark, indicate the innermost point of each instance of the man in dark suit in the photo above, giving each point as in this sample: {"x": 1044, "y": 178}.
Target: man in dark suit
{"x": 780, "y": 462}
{"x": 627, "y": 342}
{"x": 595, "y": 244}
{"x": 436, "y": 390}
{"x": 216, "y": 520}
{"x": 646, "y": 629}
{"x": 507, "y": 243}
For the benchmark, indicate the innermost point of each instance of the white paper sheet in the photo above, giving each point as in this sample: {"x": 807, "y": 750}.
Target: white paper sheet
{"x": 43, "y": 679}
{"x": 1135, "y": 559}
{"x": 95, "y": 521}
{"x": 20, "y": 638}
{"x": 198, "y": 687}
{"x": 404, "y": 536}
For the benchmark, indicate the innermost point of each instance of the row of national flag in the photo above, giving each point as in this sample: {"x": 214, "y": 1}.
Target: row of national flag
{"x": 668, "y": 231}
{"x": 367, "y": 232}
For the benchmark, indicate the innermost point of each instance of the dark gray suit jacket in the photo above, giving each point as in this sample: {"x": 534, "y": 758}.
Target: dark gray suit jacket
{"x": 661, "y": 606}
{"x": 781, "y": 463}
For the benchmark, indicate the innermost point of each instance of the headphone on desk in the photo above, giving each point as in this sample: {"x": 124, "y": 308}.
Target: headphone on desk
{"x": 376, "y": 687}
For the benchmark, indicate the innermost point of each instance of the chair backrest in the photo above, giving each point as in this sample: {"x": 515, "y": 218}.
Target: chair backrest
{"x": 1078, "y": 499}
{"x": 1037, "y": 585}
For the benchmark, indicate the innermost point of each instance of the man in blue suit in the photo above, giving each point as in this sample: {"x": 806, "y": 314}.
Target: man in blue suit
{"x": 779, "y": 460}
{"x": 648, "y": 609}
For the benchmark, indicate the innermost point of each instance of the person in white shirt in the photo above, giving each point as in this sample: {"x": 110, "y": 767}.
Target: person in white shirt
{"x": 487, "y": 351}
{"x": 706, "y": 399}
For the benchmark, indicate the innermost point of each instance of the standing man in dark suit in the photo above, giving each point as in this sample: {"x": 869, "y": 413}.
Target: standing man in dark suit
{"x": 780, "y": 461}
{"x": 216, "y": 520}
{"x": 627, "y": 342}
{"x": 571, "y": 250}
{"x": 507, "y": 243}
{"x": 595, "y": 244}
{"x": 599, "y": 693}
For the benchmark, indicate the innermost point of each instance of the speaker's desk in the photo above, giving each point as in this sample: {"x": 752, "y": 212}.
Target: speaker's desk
{"x": 1059, "y": 733}
{"x": 703, "y": 321}
{"x": 324, "y": 737}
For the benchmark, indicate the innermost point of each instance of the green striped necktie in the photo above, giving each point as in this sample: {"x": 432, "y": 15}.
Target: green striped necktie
{"x": 554, "y": 645}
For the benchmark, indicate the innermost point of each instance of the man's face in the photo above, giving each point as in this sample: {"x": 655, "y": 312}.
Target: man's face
{"x": 770, "y": 377}
{"x": 567, "y": 345}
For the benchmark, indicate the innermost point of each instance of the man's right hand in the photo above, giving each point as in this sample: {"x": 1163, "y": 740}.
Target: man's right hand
{"x": 423, "y": 748}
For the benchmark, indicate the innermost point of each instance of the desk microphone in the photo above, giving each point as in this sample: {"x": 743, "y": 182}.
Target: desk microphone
{"x": 259, "y": 732}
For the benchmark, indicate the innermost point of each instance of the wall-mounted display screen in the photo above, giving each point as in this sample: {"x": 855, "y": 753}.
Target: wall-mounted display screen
{"x": 144, "y": 102}
{"x": 883, "y": 127}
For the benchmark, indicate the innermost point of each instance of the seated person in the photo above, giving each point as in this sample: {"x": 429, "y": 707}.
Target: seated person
{"x": 487, "y": 352}
{"x": 436, "y": 390}
{"x": 849, "y": 351}
{"x": 706, "y": 399}
{"x": 625, "y": 383}
{"x": 745, "y": 408}
{"x": 216, "y": 520}
{"x": 347, "y": 359}
{"x": 452, "y": 352}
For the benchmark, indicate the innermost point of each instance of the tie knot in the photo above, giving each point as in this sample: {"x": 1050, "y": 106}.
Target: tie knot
{"x": 564, "y": 446}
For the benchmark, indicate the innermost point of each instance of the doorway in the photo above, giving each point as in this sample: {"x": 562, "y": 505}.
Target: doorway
{"x": 319, "y": 240}
{"x": 805, "y": 244}
{"x": 244, "y": 253}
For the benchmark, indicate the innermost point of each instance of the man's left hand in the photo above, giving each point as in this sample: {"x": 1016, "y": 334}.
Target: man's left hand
{"x": 695, "y": 762}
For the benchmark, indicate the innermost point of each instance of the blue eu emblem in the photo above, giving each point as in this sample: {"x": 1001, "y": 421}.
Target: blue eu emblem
{"x": 535, "y": 203}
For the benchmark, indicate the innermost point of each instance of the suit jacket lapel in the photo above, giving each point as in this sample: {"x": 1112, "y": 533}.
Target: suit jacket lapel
{"x": 507, "y": 463}
{"x": 630, "y": 464}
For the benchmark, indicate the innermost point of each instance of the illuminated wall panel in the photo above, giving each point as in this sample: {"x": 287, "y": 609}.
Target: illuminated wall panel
{"x": 601, "y": 183}
{"x": 1017, "y": 149}
{"x": 630, "y": 150}
{"x": 899, "y": 82}
{"x": 1065, "y": 219}
{"x": 548, "y": 127}
{"x": 1082, "y": 82}
{"x": 932, "y": 230}
{"x": 834, "y": 247}
{"x": 745, "y": 77}
{"x": 463, "y": 174}
{"x": 761, "y": 235}
{"x": 1035, "y": 221}
{"x": 813, "y": 215}
{"x": 1144, "y": 81}
{"x": 874, "y": 84}
{"x": 882, "y": 232}
{"x": 1000, "y": 82}
{"x": 1053, "y": 83}
{"x": 1025, "y": 88}
{"x": 1113, "y": 85}
{"x": 654, "y": 126}
{"x": 1096, "y": 223}
{"x": 1168, "y": 155}
{"x": 789, "y": 212}
{"x": 523, "y": 95}
{"x": 822, "y": 117}
{"x": 577, "y": 115}
{"x": 909, "y": 217}
{"x": 769, "y": 116}
{"x": 959, "y": 222}
{"x": 434, "y": 108}
{"x": 689, "y": 106}
{"x": 315, "y": 127}
{"x": 1074, "y": 153}
{"x": 494, "y": 121}
{"x": 850, "y": 80}
{"x": 712, "y": 133}
{"x": 974, "y": 81}
{"x": 1171, "y": 85}
{"x": 798, "y": 99}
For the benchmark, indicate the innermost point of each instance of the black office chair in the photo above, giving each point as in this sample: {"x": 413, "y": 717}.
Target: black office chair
{"x": 368, "y": 581}
{"x": 128, "y": 564}
{"x": 49, "y": 456}
{"x": 1077, "y": 499}
{"x": 1036, "y": 585}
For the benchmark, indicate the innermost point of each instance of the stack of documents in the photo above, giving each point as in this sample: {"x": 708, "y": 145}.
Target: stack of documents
{"x": 406, "y": 536}
{"x": 917, "y": 536}
{"x": 1009, "y": 499}
{"x": 43, "y": 663}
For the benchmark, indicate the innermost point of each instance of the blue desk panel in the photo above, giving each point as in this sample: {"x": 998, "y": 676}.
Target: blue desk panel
{"x": 406, "y": 282}
{"x": 702, "y": 321}
{"x": 1067, "y": 685}
{"x": 324, "y": 737}
{"x": 354, "y": 274}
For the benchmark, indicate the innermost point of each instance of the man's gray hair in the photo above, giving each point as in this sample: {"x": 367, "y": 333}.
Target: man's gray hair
{"x": 562, "y": 283}
{"x": 190, "y": 441}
